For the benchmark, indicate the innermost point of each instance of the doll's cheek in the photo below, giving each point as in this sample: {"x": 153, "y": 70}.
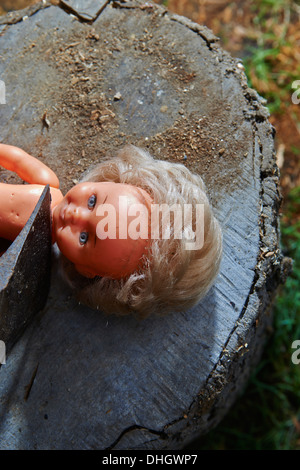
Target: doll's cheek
{"x": 60, "y": 243}
{"x": 66, "y": 241}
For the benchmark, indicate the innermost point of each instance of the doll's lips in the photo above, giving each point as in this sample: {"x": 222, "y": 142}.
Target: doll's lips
{"x": 62, "y": 213}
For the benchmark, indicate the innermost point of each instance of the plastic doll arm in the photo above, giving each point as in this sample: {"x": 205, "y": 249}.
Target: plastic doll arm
{"x": 27, "y": 167}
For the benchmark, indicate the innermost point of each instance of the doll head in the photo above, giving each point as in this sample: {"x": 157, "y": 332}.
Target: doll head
{"x": 167, "y": 276}
{"x": 92, "y": 226}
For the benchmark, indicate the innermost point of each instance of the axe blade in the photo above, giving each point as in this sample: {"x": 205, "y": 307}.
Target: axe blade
{"x": 25, "y": 270}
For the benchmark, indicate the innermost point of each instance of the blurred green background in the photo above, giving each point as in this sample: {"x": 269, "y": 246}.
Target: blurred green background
{"x": 265, "y": 34}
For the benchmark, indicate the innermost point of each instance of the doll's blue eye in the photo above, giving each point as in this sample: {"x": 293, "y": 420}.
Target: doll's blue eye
{"x": 92, "y": 201}
{"x": 83, "y": 238}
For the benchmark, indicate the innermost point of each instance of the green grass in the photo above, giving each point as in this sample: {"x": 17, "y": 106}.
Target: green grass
{"x": 262, "y": 61}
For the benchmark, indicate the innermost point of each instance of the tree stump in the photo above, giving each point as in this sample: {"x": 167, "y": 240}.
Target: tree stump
{"x": 82, "y": 79}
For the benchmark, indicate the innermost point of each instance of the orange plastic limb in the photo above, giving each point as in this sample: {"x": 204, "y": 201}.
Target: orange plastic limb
{"x": 27, "y": 167}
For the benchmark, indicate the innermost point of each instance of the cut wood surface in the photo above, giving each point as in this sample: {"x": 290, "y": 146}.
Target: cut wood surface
{"x": 80, "y": 84}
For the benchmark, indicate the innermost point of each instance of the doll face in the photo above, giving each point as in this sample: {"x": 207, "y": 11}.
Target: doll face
{"x": 88, "y": 235}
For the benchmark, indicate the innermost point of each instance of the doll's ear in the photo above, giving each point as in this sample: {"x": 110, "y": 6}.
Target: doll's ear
{"x": 84, "y": 271}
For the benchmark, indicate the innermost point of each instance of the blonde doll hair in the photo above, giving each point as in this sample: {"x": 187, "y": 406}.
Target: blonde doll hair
{"x": 172, "y": 277}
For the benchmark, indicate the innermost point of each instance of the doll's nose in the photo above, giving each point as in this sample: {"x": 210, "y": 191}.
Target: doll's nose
{"x": 75, "y": 215}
